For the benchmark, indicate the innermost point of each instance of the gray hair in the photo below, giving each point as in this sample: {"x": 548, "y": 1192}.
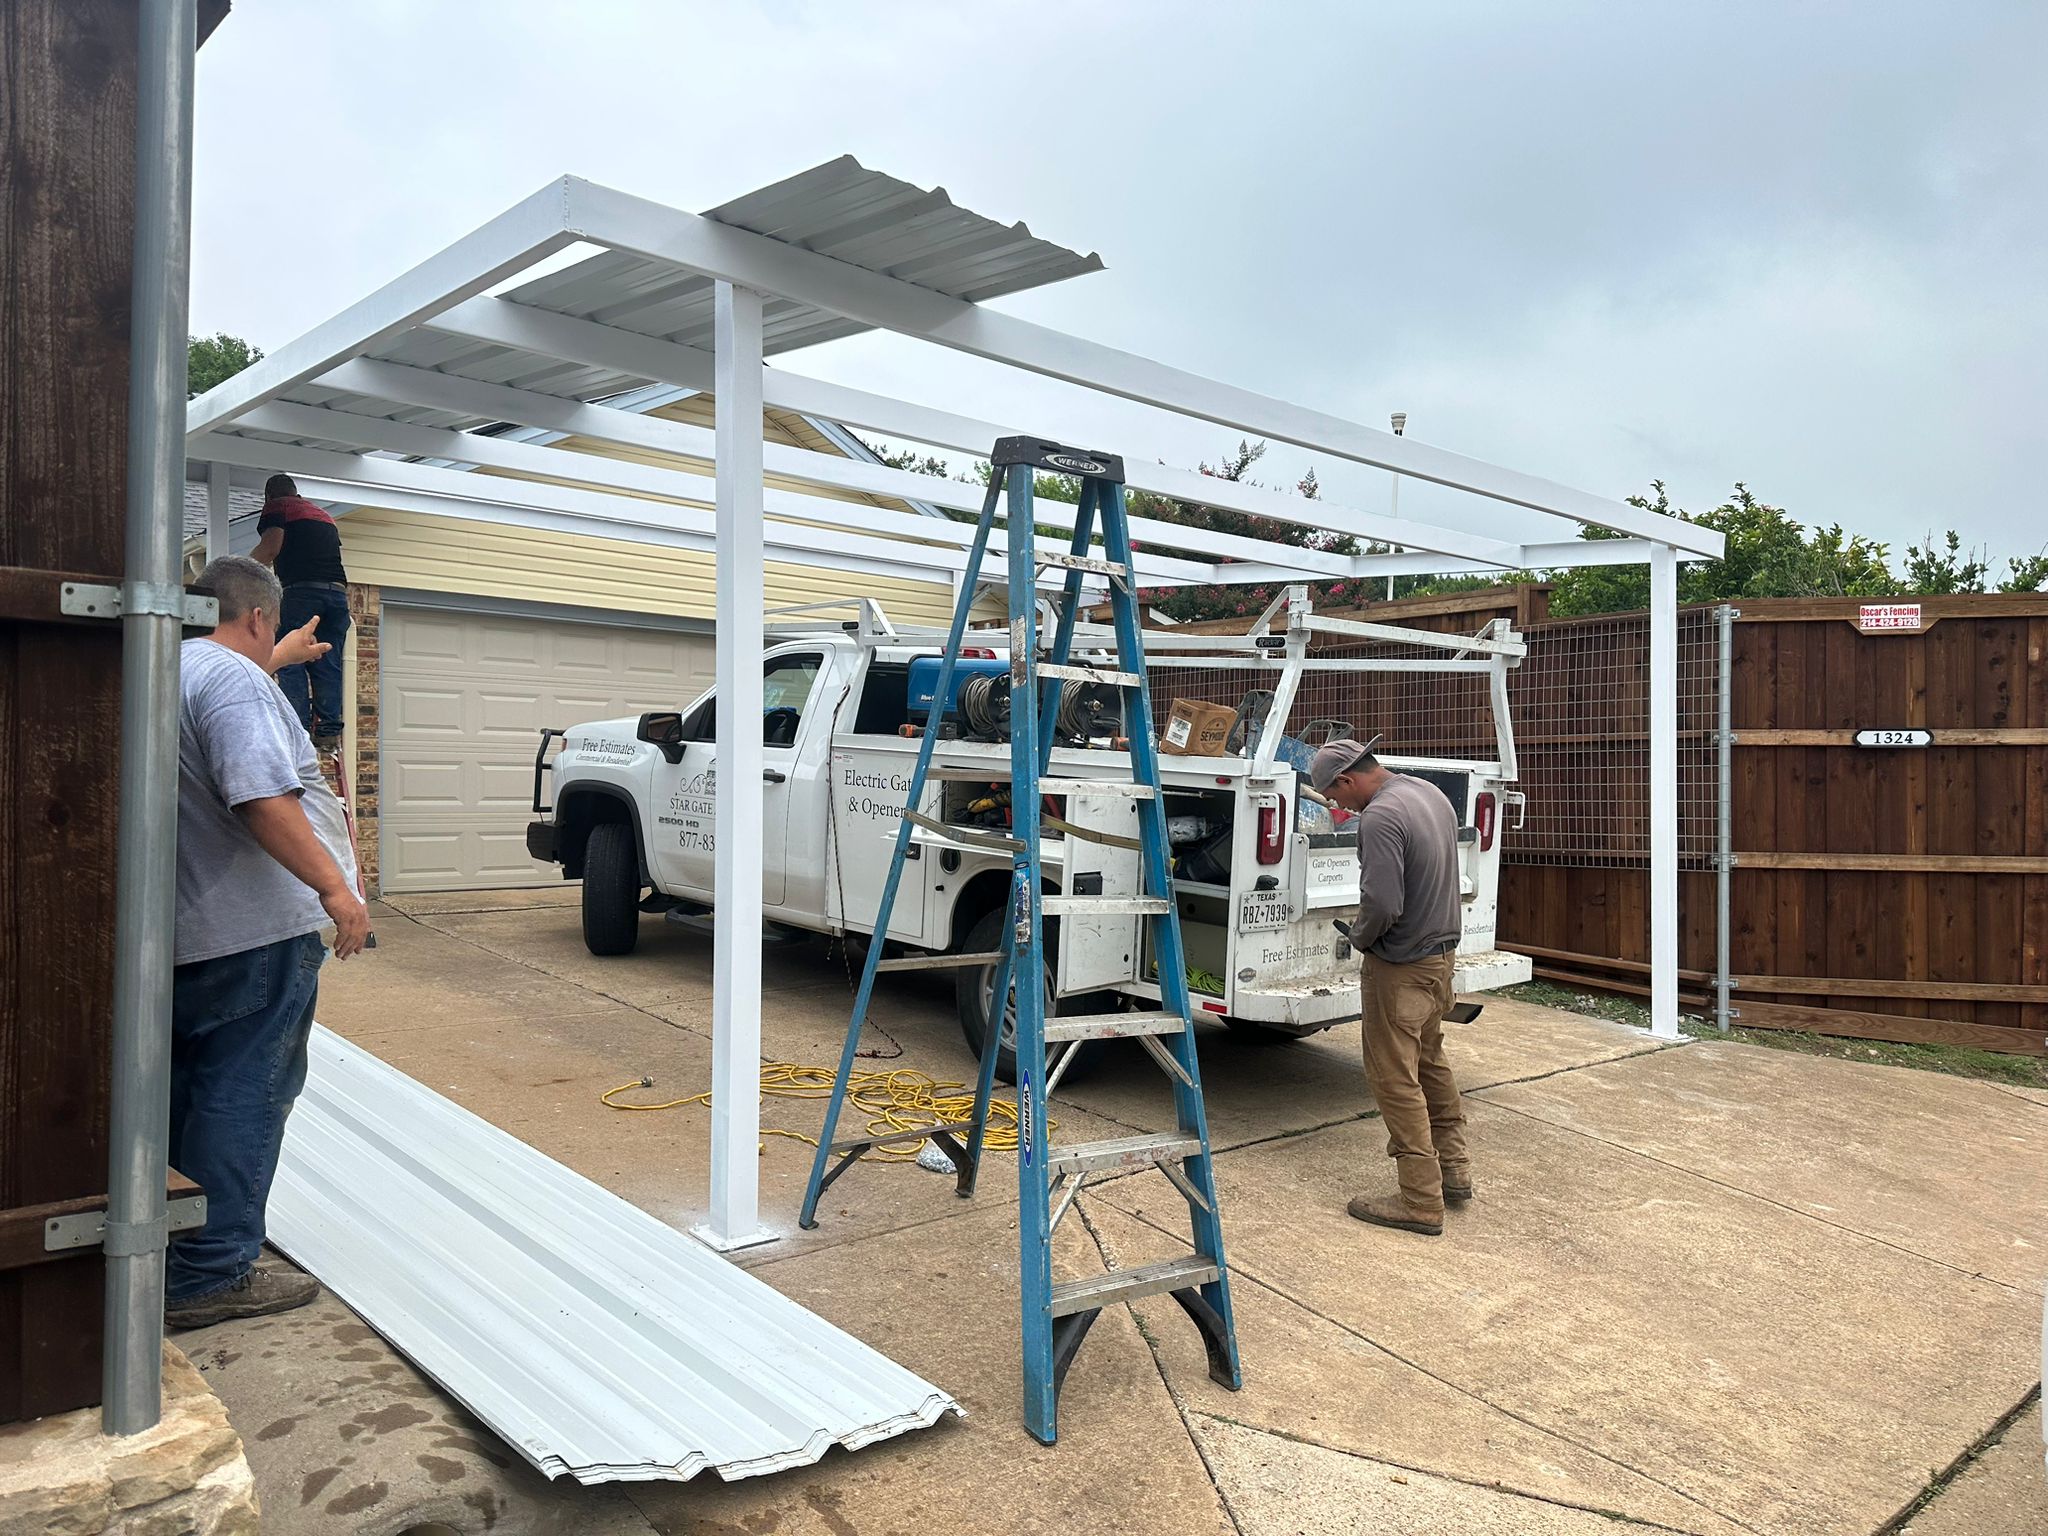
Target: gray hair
{"x": 240, "y": 584}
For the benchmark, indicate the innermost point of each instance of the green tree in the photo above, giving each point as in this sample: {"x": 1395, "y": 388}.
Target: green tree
{"x": 2026, "y": 573}
{"x": 211, "y": 359}
{"x": 1767, "y": 555}
{"x": 1938, "y": 571}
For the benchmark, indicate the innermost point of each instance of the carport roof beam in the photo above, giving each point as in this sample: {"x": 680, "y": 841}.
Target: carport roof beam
{"x": 544, "y": 333}
{"x": 375, "y": 382}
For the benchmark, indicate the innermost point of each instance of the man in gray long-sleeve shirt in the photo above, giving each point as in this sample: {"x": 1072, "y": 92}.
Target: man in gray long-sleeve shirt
{"x": 1408, "y": 924}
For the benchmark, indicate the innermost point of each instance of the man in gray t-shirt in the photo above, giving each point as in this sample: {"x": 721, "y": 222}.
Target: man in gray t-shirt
{"x": 263, "y": 866}
{"x": 1410, "y": 914}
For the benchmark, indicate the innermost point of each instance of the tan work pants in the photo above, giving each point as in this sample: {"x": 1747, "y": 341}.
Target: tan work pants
{"x": 1402, "y": 1007}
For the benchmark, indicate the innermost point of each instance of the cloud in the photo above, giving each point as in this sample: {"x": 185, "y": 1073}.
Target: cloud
{"x": 1792, "y": 244}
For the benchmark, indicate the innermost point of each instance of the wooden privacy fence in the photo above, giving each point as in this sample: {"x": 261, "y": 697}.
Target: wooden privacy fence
{"x": 1893, "y": 892}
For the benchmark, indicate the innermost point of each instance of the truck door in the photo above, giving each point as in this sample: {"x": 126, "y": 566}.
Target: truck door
{"x": 686, "y": 794}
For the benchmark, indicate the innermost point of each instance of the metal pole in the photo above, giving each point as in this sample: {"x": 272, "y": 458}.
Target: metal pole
{"x": 1663, "y": 792}
{"x": 152, "y": 613}
{"x": 736, "y": 877}
{"x": 1724, "y": 818}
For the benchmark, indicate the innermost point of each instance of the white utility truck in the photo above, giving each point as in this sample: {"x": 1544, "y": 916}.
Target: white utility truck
{"x": 1264, "y": 870}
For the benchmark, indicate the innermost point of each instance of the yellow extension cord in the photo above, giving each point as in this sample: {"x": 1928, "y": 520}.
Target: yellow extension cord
{"x": 901, "y": 1100}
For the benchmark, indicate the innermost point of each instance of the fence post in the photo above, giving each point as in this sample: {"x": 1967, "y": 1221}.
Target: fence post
{"x": 1724, "y": 819}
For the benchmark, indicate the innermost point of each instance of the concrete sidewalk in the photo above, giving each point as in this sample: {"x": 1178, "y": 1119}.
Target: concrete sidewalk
{"x": 1708, "y": 1289}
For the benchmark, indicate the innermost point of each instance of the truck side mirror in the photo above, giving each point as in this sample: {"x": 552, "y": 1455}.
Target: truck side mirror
{"x": 663, "y": 728}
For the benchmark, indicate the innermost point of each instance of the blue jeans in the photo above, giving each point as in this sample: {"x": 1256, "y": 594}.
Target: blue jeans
{"x": 238, "y": 1059}
{"x": 314, "y": 687}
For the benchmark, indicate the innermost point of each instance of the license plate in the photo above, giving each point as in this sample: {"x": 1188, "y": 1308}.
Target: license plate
{"x": 1261, "y": 910}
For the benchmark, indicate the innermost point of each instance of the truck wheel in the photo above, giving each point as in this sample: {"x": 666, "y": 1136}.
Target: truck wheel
{"x": 972, "y": 992}
{"x": 611, "y": 890}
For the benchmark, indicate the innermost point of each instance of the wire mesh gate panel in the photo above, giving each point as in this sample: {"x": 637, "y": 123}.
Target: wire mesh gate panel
{"x": 1581, "y": 704}
{"x": 1575, "y": 877}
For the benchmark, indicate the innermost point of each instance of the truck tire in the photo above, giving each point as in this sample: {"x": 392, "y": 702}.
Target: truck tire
{"x": 611, "y": 890}
{"x": 971, "y": 993}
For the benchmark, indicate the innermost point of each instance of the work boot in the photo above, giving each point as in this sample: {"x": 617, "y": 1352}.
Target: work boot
{"x": 1457, "y": 1183}
{"x": 1396, "y": 1213}
{"x": 257, "y": 1294}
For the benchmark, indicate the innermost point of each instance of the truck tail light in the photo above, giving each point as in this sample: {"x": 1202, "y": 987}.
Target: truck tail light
{"x": 1272, "y": 830}
{"x": 978, "y": 652}
{"x": 1482, "y": 818}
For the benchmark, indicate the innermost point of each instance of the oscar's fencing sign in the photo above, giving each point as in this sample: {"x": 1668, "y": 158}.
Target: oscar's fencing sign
{"x": 1895, "y": 738}
{"x": 1875, "y": 618}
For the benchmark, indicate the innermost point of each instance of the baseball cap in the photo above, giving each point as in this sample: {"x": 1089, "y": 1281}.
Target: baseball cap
{"x": 1335, "y": 757}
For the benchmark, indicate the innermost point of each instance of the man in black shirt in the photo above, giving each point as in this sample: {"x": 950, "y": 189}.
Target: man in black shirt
{"x": 300, "y": 541}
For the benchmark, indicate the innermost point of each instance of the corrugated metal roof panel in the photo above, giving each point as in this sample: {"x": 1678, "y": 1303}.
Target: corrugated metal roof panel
{"x": 594, "y": 1339}
{"x": 839, "y": 209}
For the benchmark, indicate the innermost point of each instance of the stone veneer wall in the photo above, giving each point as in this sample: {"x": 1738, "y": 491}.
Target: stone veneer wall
{"x": 365, "y": 607}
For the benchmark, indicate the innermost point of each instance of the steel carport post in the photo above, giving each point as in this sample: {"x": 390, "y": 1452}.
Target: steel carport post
{"x": 1663, "y": 792}
{"x": 736, "y": 935}
{"x": 152, "y": 616}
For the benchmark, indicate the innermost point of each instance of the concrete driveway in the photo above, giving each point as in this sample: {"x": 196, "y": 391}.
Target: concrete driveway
{"x": 1706, "y": 1289}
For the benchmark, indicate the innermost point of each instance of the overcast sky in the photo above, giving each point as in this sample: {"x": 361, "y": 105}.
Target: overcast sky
{"x": 1796, "y": 245}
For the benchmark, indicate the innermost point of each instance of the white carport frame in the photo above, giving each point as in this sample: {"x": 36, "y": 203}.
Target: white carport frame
{"x": 355, "y": 455}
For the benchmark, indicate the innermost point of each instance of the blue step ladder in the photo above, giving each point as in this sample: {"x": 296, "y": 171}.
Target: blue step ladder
{"x": 1057, "y": 1314}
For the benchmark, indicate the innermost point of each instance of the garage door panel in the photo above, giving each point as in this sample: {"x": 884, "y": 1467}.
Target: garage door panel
{"x": 426, "y": 711}
{"x": 420, "y": 785}
{"x": 465, "y": 697}
{"x": 503, "y": 715}
{"x": 507, "y": 646}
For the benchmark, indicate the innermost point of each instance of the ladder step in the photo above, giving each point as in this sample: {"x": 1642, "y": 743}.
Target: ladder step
{"x": 1122, "y": 1152}
{"x": 967, "y": 837}
{"x": 960, "y": 1128}
{"x": 1105, "y": 906}
{"x": 1112, "y": 1026}
{"x": 1073, "y": 672}
{"x": 1129, "y": 1284}
{"x": 938, "y": 962}
{"x": 1125, "y": 788}
{"x": 1084, "y": 563}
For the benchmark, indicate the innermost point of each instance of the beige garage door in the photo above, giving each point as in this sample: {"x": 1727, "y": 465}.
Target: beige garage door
{"x": 464, "y": 697}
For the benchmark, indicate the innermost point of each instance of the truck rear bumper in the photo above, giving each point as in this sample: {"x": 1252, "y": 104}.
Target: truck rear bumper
{"x": 1319, "y": 1002}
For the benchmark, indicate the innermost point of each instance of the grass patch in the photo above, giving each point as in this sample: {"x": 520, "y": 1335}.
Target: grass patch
{"x": 1954, "y": 1060}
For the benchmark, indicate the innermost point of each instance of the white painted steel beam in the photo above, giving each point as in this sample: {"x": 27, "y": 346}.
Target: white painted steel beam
{"x": 364, "y": 479}
{"x": 735, "y": 1220}
{"x": 1663, "y": 793}
{"x": 547, "y": 334}
{"x": 217, "y": 510}
{"x": 681, "y": 481}
{"x": 718, "y": 250}
{"x": 525, "y": 233}
{"x": 431, "y": 390}
{"x": 1529, "y": 557}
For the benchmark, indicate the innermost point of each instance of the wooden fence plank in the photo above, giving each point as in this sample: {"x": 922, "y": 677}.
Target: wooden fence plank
{"x": 1945, "y": 863}
{"x": 1859, "y": 1025}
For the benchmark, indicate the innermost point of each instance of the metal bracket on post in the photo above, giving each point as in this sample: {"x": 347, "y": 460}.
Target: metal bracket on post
{"x": 85, "y": 600}
{"x": 90, "y": 1229}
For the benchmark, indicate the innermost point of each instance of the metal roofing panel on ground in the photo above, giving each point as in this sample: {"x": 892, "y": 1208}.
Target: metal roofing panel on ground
{"x": 596, "y": 1340}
